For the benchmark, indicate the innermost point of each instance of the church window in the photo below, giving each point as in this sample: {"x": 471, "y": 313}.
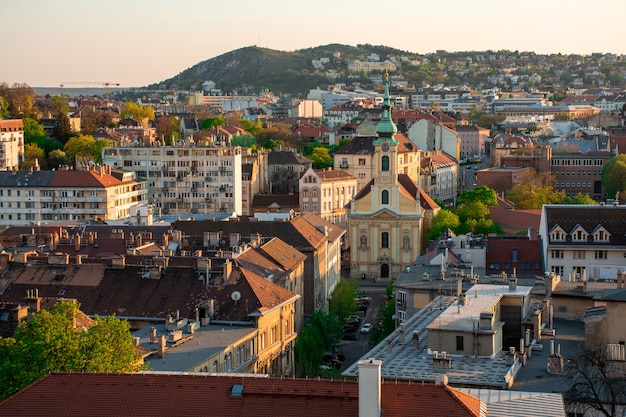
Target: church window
{"x": 384, "y": 197}
{"x": 384, "y": 239}
{"x": 384, "y": 163}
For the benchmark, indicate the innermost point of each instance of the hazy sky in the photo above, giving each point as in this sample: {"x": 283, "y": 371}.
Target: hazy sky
{"x": 45, "y": 43}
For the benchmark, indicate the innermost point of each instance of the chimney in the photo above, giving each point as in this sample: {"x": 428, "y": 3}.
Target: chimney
{"x": 162, "y": 346}
{"x": 369, "y": 387}
{"x": 153, "y": 334}
{"x": 585, "y": 286}
{"x": 77, "y": 243}
{"x": 228, "y": 269}
{"x": 513, "y": 283}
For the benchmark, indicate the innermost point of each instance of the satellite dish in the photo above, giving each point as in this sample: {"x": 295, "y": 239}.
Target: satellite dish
{"x": 236, "y": 295}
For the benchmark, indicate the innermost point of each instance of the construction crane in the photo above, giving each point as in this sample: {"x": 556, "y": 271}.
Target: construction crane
{"x": 106, "y": 85}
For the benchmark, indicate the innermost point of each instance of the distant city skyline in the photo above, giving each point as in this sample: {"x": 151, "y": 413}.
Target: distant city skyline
{"x": 136, "y": 43}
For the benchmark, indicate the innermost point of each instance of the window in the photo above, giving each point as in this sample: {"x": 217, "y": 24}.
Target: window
{"x": 384, "y": 163}
{"x": 601, "y": 254}
{"x": 362, "y": 161}
{"x": 384, "y": 197}
{"x": 459, "y": 343}
{"x": 579, "y": 254}
{"x": 557, "y": 254}
{"x": 384, "y": 240}
{"x": 401, "y": 298}
{"x": 557, "y": 269}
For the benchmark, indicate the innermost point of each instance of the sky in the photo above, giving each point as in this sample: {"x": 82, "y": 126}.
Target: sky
{"x": 45, "y": 43}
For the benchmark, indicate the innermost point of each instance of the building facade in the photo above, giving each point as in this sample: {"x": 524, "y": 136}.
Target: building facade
{"x": 386, "y": 219}
{"x": 327, "y": 193}
{"x": 11, "y": 144}
{"x": 185, "y": 178}
{"x": 46, "y": 196}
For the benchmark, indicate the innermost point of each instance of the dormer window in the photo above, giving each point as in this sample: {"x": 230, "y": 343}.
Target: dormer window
{"x": 579, "y": 234}
{"x": 601, "y": 235}
{"x": 557, "y": 235}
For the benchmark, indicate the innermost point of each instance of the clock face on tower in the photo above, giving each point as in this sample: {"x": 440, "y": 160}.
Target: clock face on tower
{"x": 385, "y": 147}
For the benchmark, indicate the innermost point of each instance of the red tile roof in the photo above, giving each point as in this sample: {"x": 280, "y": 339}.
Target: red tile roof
{"x": 84, "y": 179}
{"x": 167, "y": 395}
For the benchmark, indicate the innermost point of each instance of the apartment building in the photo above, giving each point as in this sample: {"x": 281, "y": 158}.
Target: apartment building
{"x": 11, "y": 144}
{"x": 584, "y": 242}
{"x": 472, "y": 140}
{"x": 46, "y": 196}
{"x": 326, "y": 193}
{"x": 580, "y": 172}
{"x": 186, "y": 178}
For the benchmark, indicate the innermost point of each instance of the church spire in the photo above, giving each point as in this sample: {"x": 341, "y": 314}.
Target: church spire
{"x": 386, "y": 128}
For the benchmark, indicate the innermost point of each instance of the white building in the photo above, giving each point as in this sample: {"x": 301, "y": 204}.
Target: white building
{"x": 185, "y": 178}
{"x": 46, "y": 196}
{"x": 11, "y": 144}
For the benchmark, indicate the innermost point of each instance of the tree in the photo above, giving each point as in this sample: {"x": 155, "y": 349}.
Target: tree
{"x": 63, "y": 129}
{"x": 342, "y": 304}
{"x": 253, "y": 127}
{"x": 321, "y": 158}
{"x": 580, "y": 198}
{"x": 57, "y": 158}
{"x": 614, "y": 175}
{"x": 32, "y": 154}
{"x": 321, "y": 334}
{"x": 443, "y": 221}
{"x": 33, "y": 130}
{"x": 49, "y": 341}
{"x": 85, "y": 148}
{"x": 245, "y": 141}
{"x": 212, "y": 122}
{"x": 58, "y": 106}
{"x": 484, "y": 194}
{"x": 534, "y": 191}
{"x": 137, "y": 112}
{"x": 596, "y": 384}
{"x": 167, "y": 127}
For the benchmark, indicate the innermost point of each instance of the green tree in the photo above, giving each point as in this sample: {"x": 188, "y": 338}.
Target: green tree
{"x": 271, "y": 144}
{"x": 253, "y": 127}
{"x": 245, "y": 141}
{"x": 342, "y": 304}
{"x": 321, "y": 158}
{"x": 49, "y": 341}
{"x": 85, "y": 148}
{"x": 56, "y": 159}
{"x": 580, "y": 198}
{"x": 484, "y": 194}
{"x": 33, "y": 154}
{"x": 474, "y": 210}
{"x": 63, "y": 129}
{"x": 443, "y": 221}
{"x": 385, "y": 322}
{"x": 321, "y": 334}
{"x": 58, "y": 105}
{"x": 137, "y": 112}
{"x": 212, "y": 122}
{"x": 33, "y": 130}
{"x": 614, "y": 175}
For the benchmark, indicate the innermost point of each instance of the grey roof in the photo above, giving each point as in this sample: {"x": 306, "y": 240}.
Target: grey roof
{"x": 505, "y": 403}
{"x": 286, "y": 158}
{"x": 26, "y": 178}
{"x": 612, "y": 218}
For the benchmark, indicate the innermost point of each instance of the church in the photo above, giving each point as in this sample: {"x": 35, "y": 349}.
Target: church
{"x": 388, "y": 216}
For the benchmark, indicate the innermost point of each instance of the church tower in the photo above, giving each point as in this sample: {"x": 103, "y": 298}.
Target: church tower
{"x": 385, "y": 220}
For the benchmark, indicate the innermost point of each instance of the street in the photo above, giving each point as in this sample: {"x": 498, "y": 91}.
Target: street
{"x": 353, "y": 350}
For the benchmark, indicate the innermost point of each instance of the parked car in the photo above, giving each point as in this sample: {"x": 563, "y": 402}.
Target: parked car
{"x": 366, "y": 328}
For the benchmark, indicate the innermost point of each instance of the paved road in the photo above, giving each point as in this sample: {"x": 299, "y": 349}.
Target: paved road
{"x": 353, "y": 350}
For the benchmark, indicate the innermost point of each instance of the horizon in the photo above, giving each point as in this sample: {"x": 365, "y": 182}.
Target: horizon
{"x": 137, "y": 45}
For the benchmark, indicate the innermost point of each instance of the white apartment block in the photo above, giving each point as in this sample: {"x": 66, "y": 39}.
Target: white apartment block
{"x": 11, "y": 144}
{"x": 186, "y": 178}
{"x": 326, "y": 193}
{"x": 36, "y": 197}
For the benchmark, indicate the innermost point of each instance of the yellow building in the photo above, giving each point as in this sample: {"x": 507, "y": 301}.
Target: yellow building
{"x": 386, "y": 216}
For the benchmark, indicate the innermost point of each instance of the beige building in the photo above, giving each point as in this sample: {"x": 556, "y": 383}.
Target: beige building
{"x": 327, "y": 193}
{"x": 357, "y": 159}
{"x": 46, "y": 196}
{"x": 386, "y": 217}
{"x": 186, "y": 178}
{"x": 11, "y": 144}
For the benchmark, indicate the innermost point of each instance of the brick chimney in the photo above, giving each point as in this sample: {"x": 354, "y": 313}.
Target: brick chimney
{"x": 369, "y": 387}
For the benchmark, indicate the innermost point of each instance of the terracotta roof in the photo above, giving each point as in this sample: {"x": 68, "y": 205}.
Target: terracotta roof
{"x": 84, "y": 179}
{"x": 313, "y": 236}
{"x": 11, "y": 124}
{"x": 500, "y": 252}
{"x": 167, "y": 395}
{"x": 518, "y": 219}
{"x": 267, "y": 294}
{"x": 333, "y": 231}
{"x": 328, "y": 175}
{"x": 255, "y": 261}
{"x": 285, "y": 255}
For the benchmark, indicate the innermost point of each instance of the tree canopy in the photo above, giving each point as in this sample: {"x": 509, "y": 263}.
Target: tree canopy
{"x": 321, "y": 158}
{"x": 442, "y": 221}
{"x": 49, "y": 341}
{"x": 614, "y": 175}
{"x": 87, "y": 148}
{"x": 137, "y": 111}
{"x": 535, "y": 191}
{"x": 484, "y": 194}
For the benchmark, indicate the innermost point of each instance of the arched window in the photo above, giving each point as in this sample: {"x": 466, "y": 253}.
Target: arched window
{"x": 215, "y": 367}
{"x": 314, "y": 193}
{"x": 384, "y": 197}
{"x": 384, "y": 240}
{"x": 384, "y": 163}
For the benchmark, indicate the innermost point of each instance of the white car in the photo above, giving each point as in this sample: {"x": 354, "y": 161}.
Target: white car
{"x": 366, "y": 328}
